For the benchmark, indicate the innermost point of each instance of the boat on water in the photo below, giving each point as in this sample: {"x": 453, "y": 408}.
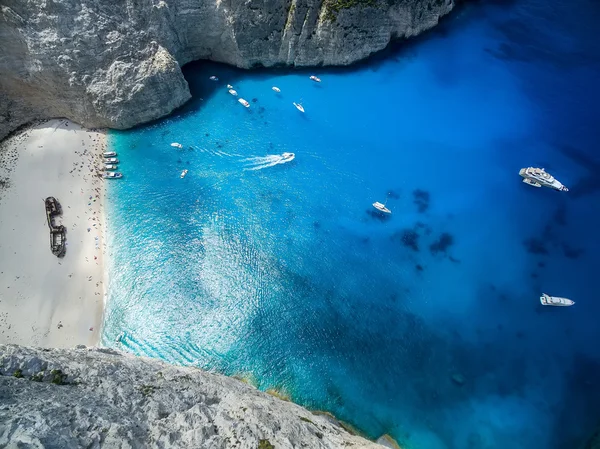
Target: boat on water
{"x": 286, "y": 157}
{"x": 538, "y": 177}
{"x": 109, "y": 154}
{"x": 548, "y": 300}
{"x": 299, "y": 106}
{"x": 276, "y": 89}
{"x": 316, "y": 79}
{"x": 233, "y": 92}
{"x": 111, "y": 160}
{"x": 229, "y": 86}
{"x": 244, "y": 102}
{"x": 112, "y": 175}
{"x": 381, "y": 207}
{"x": 214, "y": 78}
{"x": 183, "y": 173}
{"x": 110, "y": 166}
{"x": 176, "y": 145}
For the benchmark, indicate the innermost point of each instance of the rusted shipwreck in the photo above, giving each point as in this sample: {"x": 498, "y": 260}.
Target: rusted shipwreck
{"x": 57, "y": 233}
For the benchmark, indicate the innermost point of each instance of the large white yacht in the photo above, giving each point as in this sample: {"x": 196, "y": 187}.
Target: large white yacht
{"x": 537, "y": 177}
{"x": 548, "y": 300}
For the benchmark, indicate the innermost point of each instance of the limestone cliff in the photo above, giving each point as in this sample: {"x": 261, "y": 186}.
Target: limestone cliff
{"x": 51, "y": 398}
{"x": 118, "y": 63}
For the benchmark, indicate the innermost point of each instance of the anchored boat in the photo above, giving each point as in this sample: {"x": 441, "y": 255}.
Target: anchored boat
{"x": 111, "y": 160}
{"x": 244, "y": 102}
{"x": 548, "y": 300}
{"x": 183, "y": 173}
{"x": 276, "y": 89}
{"x": 214, "y": 78}
{"x": 110, "y": 166}
{"x": 315, "y": 79}
{"x": 233, "y": 92}
{"x": 299, "y": 106}
{"x": 176, "y": 145}
{"x": 109, "y": 154}
{"x": 381, "y": 207}
{"x": 112, "y": 175}
{"x": 537, "y": 177}
{"x": 229, "y": 86}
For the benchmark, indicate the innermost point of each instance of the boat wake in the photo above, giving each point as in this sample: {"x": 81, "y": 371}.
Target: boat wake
{"x": 261, "y": 162}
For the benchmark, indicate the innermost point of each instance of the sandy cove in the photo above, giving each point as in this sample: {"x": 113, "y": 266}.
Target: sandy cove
{"x": 45, "y": 300}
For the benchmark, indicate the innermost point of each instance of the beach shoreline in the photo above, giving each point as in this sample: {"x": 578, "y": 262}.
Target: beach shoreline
{"x": 44, "y": 300}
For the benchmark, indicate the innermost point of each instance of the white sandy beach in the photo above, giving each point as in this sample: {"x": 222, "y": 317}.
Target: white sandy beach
{"x": 45, "y": 300}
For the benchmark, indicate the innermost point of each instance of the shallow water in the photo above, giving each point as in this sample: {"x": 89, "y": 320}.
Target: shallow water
{"x": 284, "y": 273}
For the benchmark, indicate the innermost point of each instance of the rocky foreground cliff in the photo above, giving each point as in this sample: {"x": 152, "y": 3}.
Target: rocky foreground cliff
{"x": 51, "y": 398}
{"x": 118, "y": 63}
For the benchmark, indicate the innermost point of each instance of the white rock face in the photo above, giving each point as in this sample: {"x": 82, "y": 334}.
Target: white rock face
{"x": 104, "y": 398}
{"x": 118, "y": 63}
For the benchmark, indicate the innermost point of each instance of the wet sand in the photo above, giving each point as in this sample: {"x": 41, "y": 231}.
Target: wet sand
{"x": 45, "y": 300}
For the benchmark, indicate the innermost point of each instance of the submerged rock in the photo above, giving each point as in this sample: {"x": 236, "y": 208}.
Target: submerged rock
{"x": 92, "y": 398}
{"x": 118, "y": 64}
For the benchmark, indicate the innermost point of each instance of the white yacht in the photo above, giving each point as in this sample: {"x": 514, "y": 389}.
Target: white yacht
{"x": 110, "y": 166}
{"x": 244, "y": 102}
{"x": 229, "y": 86}
{"x": 548, "y": 300}
{"x": 299, "y": 106}
{"x": 176, "y": 145}
{"x": 214, "y": 78}
{"x": 112, "y": 175}
{"x": 232, "y": 92}
{"x": 286, "y": 157}
{"x": 316, "y": 79}
{"x": 183, "y": 173}
{"x": 111, "y": 160}
{"x": 109, "y": 154}
{"x": 276, "y": 89}
{"x": 537, "y": 177}
{"x": 381, "y": 207}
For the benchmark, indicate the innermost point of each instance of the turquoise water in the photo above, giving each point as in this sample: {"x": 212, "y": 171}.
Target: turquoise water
{"x": 283, "y": 273}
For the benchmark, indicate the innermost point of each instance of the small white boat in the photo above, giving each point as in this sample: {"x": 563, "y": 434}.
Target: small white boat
{"x": 111, "y": 160}
{"x": 183, "y": 173}
{"x": 109, "y": 154}
{"x": 381, "y": 207}
{"x": 112, "y": 175}
{"x": 110, "y": 166}
{"x": 286, "y": 157}
{"x": 548, "y": 300}
{"x": 299, "y": 106}
{"x": 244, "y": 102}
{"x": 176, "y": 145}
{"x": 229, "y": 86}
{"x": 276, "y": 89}
{"x": 214, "y": 78}
{"x": 233, "y": 92}
{"x": 315, "y": 79}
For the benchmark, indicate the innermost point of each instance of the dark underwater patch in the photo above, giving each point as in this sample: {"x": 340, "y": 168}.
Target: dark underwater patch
{"x": 410, "y": 239}
{"x": 535, "y": 246}
{"x": 421, "y": 199}
{"x": 442, "y": 244}
{"x": 572, "y": 253}
{"x": 393, "y": 194}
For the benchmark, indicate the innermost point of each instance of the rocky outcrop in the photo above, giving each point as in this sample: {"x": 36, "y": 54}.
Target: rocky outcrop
{"x": 118, "y": 63}
{"x": 51, "y": 398}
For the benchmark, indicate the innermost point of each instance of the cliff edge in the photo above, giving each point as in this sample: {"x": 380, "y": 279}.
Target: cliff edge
{"x": 104, "y": 398}
{"x": 117, "y": 64}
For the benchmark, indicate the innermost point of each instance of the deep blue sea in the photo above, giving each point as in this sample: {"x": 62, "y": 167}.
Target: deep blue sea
{"x": 426, "y": 325}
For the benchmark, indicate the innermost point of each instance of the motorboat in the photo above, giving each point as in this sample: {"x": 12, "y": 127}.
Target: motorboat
{"x": 548, "y": 300}
{"x": 299, "y": 106}
{"x": 112, "y": 175}
{"x": 229, "y": 86}
{"x": 276, "y": 89}
{"x": 111, "y": 160}
{"x": 214, "y": 78}
{"x": 176, "y": 145}
{"x": 286, "y": 157}
{"x": 244, "y": 102}
{"x": 537, "y": 177}
{"x": 109, "y": 154}
{"x": 381, "y": 207}
{"x": 315, "y": 79}
{"x": 110, "y": 166}
{"x": 183, "y": 173}
{"x": 233, "y": 92}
